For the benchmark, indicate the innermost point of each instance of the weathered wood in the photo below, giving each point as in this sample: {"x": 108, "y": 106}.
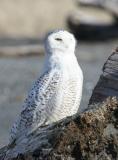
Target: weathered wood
{"x": 111, "y": 6}
{"x": 93, "y": 23}
{"x": 91, "y": 135}
{"x": 21, "y": 50}
{"x": 108, "y": 82}
{"x": 20, "y": 47}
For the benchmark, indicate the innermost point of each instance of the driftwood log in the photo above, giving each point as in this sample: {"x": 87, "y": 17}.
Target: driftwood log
{"x": 21, "y": 47}
{"x": 91, "y": 135}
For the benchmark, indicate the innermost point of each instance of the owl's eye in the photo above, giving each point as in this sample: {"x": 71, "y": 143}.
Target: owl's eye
{"x": 58, "y": 39}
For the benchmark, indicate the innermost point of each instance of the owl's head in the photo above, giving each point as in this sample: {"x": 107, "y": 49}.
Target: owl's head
{"x": 60, "y": 41}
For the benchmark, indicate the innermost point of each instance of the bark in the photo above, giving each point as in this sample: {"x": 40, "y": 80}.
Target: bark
{"x": 91, "y": 135}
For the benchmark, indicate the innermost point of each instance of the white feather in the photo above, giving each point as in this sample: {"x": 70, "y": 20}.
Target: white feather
{"x": 57, "y": 93}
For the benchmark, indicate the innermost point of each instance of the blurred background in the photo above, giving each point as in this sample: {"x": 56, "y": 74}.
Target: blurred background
{"x": 23, "y": 26}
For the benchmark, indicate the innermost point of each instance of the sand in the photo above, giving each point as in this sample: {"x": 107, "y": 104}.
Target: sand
{"x": 33, "y": 17}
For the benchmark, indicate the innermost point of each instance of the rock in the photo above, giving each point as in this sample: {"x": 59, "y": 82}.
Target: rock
{"x": 92, "y": 134}
{"x": 92, "y": 23}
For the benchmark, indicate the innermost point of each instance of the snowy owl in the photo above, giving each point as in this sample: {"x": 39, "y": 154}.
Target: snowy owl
{"x": 56, "y": 94}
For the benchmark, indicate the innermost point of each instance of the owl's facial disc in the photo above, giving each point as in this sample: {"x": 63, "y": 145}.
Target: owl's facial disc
{"x": 62, "y": 41}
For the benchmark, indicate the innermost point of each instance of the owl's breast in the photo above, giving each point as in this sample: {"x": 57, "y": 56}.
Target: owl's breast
{"x": 66, "y": 100}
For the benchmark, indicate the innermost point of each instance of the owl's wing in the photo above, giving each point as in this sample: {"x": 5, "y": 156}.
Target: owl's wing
{"x": 34, "y": 113}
